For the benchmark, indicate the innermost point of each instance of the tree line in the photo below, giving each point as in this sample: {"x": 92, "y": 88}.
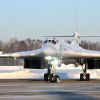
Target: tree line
{"x": 15, "y": 45}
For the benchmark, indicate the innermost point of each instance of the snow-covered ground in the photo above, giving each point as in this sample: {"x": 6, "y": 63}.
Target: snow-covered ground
{"x": 65, "y": 72}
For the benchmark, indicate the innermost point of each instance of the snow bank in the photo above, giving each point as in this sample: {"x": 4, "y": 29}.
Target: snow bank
{"x": 21, "y": 74}
{"x": 65, "y": 72}
{"x": 10, "y": 68}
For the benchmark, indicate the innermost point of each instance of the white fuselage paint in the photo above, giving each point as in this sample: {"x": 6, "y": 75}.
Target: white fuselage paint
{"x": 65, "y": 50}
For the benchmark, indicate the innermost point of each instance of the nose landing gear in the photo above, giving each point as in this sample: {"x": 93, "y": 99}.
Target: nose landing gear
{"x": 51, "y": 77}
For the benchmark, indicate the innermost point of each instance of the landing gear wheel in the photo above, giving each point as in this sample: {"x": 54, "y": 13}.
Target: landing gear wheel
{"x": 87, "y": 77}
{"x": 81, "y": 77}
{"x": 45, "y": 77}
{"x": 50, "y": 78}
{"x": 54, "y": 78}
{"x": 84, "y": 77}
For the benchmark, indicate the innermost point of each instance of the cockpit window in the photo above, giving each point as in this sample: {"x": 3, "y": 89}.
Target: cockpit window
{"x": 49, "y": 41}
{"x": 45, "y": 41}
{"x": 53, "y": 41}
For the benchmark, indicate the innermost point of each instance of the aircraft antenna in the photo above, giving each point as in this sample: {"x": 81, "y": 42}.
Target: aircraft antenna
{"x": 76, "y": 20}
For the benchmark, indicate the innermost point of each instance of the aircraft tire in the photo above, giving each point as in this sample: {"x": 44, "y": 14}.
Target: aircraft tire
{"x": 50, "y": 78}
{"x": 54, "y": 78}
{"x": 81, "y": 77}
{"x": 57, "y": 79}
{"x": 87, "y": 77}
{"x": 45, "y": 77}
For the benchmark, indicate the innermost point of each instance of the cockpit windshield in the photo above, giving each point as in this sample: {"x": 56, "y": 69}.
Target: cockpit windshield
{"x": 53, "y": 41}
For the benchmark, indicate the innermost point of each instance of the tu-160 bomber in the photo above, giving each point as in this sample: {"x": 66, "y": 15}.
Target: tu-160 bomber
{"x": 53, "y": 52}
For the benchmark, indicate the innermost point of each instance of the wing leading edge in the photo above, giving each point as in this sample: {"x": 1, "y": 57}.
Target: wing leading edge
{"x": 81, "y": 53}
{"x": 23, "y": 54}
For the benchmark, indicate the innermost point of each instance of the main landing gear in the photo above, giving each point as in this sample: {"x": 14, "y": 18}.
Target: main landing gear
{"x": 85, "y": 76}
{"x": 51, "y": 77}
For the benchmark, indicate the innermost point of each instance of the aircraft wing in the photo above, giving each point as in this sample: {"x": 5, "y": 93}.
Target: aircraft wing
{"x": 83, "y": 53}
{"x": 23, "y": 54}
{"x": 90, "y": 53}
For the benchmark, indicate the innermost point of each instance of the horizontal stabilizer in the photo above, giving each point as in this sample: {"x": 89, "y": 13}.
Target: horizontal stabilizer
{"x": 89, "y": 36}
{"x": 58, "y": 36}
{"x": 73, "y": 36}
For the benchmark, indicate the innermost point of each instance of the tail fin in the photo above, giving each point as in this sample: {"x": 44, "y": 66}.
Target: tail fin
{"x": 76, "y": 38}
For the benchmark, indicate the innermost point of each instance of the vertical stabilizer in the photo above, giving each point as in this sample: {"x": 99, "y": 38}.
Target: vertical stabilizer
{"x": 76, "y": 38}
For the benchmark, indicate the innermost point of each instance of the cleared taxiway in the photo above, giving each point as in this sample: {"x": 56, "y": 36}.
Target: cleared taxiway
{"x": 41, "y": 90}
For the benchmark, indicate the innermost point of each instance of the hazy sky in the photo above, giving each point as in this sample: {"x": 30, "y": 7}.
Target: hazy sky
{"x": 35, "y": 18}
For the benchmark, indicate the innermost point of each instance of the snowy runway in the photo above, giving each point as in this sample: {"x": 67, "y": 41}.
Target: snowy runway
{"x": 40, "y": 90}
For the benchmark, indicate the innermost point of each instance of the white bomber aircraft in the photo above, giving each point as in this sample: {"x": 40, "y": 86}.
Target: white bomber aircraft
{"x": 52, "y": 54}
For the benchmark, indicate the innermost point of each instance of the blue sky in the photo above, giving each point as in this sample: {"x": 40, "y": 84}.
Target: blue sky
{"x": 35, "y": 18}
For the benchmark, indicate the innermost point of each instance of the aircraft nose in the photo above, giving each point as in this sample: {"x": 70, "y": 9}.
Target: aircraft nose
{"x": 49, "y": 51}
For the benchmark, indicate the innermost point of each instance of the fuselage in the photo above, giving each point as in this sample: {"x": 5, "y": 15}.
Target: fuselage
{"x": 65, "y": 50}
